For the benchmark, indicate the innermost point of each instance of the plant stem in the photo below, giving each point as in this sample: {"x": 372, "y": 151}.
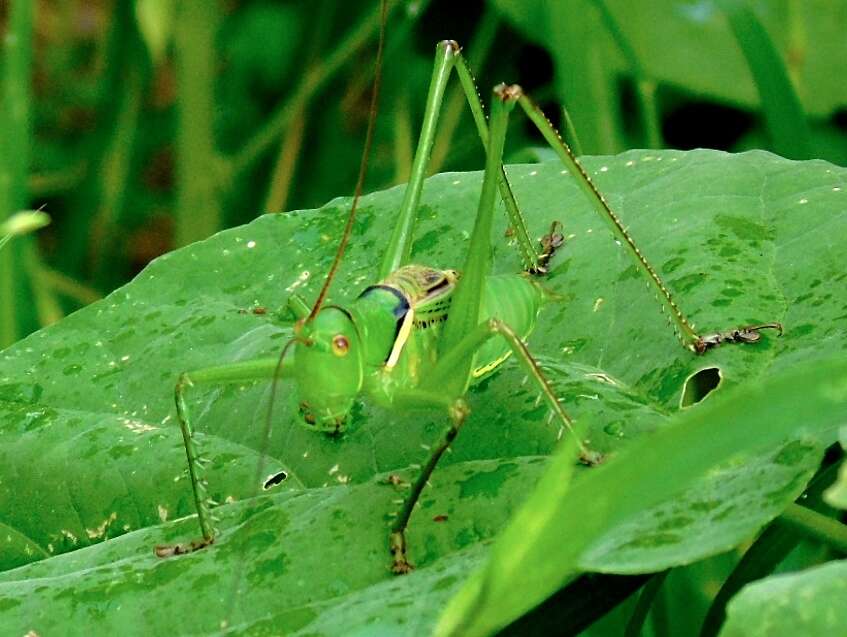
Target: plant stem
{"x": 198, "y": 207}
{"x": 313, "y": 80}
{"x": 286, "y": 162}
{"x": 113, "y": 178}
{"x": 816, "y": 526}
{"x": 14, "y": 155}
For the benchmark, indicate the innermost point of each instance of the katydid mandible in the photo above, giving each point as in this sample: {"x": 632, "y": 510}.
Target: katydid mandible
{"x": 420, "y": 336}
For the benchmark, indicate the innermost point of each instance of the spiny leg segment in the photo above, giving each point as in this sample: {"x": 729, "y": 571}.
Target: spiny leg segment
{"x": 683, "y": 328}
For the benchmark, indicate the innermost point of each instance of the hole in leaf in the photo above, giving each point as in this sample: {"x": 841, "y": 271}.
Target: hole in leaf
{"x": 274, "y": 479}
{"x": 693, "y": 124}
{"x": 699, "y": 385}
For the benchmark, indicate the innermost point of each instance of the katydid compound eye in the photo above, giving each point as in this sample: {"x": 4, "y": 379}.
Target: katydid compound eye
{"x": 340, "y": 345}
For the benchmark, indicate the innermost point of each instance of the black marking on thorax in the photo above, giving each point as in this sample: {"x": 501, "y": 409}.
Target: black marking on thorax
{"x": 400, "y": 310}
{"x": 422, "y": 324}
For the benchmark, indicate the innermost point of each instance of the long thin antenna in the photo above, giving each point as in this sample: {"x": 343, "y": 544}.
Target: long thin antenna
{"x": 363, "y": 166}
{"x": 260, "y": 467}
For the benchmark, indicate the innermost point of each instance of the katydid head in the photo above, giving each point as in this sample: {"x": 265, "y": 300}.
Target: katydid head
{"x": 328, "y": 356}
{"x": 328, "y": 368}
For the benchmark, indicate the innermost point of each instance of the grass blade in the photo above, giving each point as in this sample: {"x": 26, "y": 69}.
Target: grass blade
{"x": 199, "y": 208}
{"x": 645, "y": 87}
{"x": 14, "y": 159}
{"x": 645, "y": 601}
{"x": 784, "y": 116}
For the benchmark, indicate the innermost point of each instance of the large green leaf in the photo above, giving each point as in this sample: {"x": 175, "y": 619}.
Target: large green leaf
{"x": 90, "y": 449}
{"x": 807, "y": 603}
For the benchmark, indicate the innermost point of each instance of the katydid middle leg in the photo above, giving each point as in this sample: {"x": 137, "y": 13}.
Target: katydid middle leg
{"x": 448, "y": 367}
{"x": 260, "y": 369}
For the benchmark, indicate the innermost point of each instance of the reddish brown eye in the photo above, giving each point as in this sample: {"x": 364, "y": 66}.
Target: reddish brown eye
{"x": 340, "y": 345}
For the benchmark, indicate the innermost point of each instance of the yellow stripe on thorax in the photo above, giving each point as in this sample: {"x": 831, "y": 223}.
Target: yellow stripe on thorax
{"x": 402, "y": 336}
{"x": 490, "y": 367}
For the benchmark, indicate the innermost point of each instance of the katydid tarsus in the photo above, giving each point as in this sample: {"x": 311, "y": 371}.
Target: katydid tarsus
{"x": 420, "y": 336}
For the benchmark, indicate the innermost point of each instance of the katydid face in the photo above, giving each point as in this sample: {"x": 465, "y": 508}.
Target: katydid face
{"x": 328, "y": 364}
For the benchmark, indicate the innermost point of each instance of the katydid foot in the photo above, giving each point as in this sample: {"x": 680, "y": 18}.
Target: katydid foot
{"x": 396, "y": 481}
{"x": 745, "y": 334}
{"x": 258, "y": 310}
{"x": 397, "y": 545}
{"x": 170, "y": 550}
{"x": 550, "y": 242}
{"x": 589, "y": 457}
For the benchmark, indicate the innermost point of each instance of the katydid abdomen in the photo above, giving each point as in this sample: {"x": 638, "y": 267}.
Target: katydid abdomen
{"x": 515, "y": 299}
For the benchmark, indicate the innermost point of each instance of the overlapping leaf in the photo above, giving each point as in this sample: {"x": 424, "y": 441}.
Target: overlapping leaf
{"x": 806, "y": 603}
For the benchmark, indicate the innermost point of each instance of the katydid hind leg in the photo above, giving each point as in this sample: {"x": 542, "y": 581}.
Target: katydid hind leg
{"x": 461, "y": 323}
{"x": 399, "y": 246}
{"x": 683, "y": 328}
{"x": 448, "y": 56}
{"x": 535, "y": 261}
{"x": 467, "y": 299}
{"x": 463, "y": 334}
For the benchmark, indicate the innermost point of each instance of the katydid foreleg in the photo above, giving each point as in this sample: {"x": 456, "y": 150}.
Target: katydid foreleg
{"x": 233, "y": 373}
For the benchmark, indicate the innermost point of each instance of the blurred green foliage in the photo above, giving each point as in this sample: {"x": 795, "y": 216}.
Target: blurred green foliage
{"x": 141, "y": 126}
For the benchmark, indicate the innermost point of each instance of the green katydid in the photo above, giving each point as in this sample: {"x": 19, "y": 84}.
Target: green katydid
{"x": 420, "y": 336}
